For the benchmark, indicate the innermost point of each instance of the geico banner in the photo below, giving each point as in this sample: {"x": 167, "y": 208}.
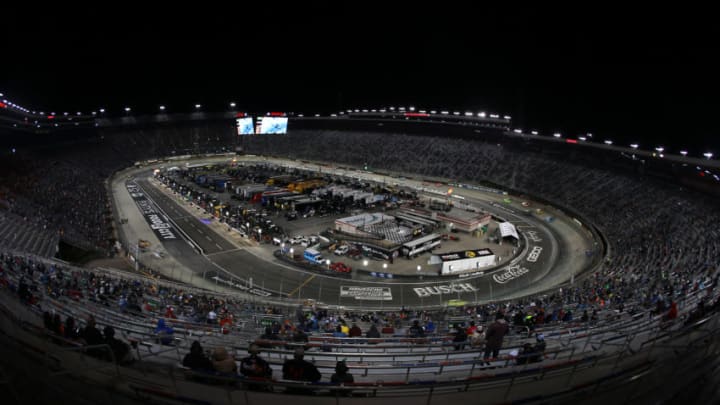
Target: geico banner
{"x": 444, "y": 289}
{"x": 534, "y": 254}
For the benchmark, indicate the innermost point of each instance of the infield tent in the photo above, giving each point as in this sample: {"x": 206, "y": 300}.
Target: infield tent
{"x": 506, "y": 230}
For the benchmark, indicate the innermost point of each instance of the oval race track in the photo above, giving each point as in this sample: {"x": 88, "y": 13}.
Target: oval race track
{"x": 553, "y": 253}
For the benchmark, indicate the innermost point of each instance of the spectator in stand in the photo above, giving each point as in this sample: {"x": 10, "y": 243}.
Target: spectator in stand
{"x": 211, "y": 317}
{"x": 416, "y": 331}
{"x": 341, "y": 377}
{"x": 460, "y": 337}
{"x": 339, "y": 333}
{"x": 494, "y": 337}
{"x": 344, "y": 328}
{"x": 254, "y": 366}
{"x": 196, "y": 359}
{"x": 355, "y": 331}
{"x": 164, "y": 332}
{"x": 299, "y": 336}
{"x": 373, "y": 332}
{"x": 222, "y": 362}
{"x": 471, "y": 329}
{"x": 92, "y": 337}
{"x": 120, "y": 350}
{"x": 71, "y": 331}
{"x": 298, "y": 369}
{"x": 429, "y": 326}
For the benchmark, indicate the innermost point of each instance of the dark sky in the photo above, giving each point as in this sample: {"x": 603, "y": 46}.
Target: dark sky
{"x": 647, "y": 76}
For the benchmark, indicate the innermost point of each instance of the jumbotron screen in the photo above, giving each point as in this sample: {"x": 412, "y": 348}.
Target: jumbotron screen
{"x": 271, "y": 125}
{"x": 245, "y": 126}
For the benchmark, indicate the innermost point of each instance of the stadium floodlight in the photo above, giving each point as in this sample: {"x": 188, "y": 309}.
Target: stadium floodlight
{"x": 589, "y": 135}
{"x": 333, "y": 115}
{"x": 65, "y": 113}
{"x": 482, "y": 114}
{"x": 127, "y": 109}
{"x": 534, "y": 132}
{"x": 411, "y": 108}
{"x": 94, "y": 113}
{"x": 517, "y": 131}
{"x": 162, "y": 108}
{"x": 557, "y": 135}
{"x": 708, "y": 155}
{"x": 232, "y": 104}
{"x": 660, "y": 149}
{"x": 494, "y": 116}
{"x": 102, "y": 110}
{"x": 444, "y": 112}
{"x": 364, "y": 111}
{"x": 373, "y": 110}
{"x": 456, "y": 112}
{"x": 507, "y": 117}
{"x": 433, "y": 111}
{"x": 2, "y": 95}
{"x": 608, "y": 142}
{"x": 317, "y": 115}
{"x": 197, "y": 106}
{"x": 357, "y": 111}
{"x": 634, "y": 145}
{"x": 78, "y": 113}
{"x": 683, "y": 152}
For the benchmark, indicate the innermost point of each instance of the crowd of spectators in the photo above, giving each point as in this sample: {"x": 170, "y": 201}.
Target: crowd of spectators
{"x": 663, "y": 240}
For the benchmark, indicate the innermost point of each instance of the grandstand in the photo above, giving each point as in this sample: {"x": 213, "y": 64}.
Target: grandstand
{"x": 662, "y": 254}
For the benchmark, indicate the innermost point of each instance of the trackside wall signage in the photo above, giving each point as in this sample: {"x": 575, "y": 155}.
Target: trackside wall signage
{"x": 510, "y": 273}
{"x": 444, "y": 289}
{"x": 366, "y": 293}
{"x": 158, "y": 223}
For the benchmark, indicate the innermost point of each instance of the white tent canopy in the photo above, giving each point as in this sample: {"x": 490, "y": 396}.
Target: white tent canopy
{"x": 508, "y": 229}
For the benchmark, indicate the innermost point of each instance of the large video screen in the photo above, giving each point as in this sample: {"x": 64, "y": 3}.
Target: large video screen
{"x": 272, "y": 125}
{"x": 245, "y": 126}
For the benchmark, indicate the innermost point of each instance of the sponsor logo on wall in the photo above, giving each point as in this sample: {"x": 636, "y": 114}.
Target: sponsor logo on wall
{"x": 158, "y": 223}
{"x": 534, "y": 254}
{"x": 510, "y": 273}
{"x": 533, "y": 236}
{"x": 366, "y": 293}
{"x": 444, "y": 289}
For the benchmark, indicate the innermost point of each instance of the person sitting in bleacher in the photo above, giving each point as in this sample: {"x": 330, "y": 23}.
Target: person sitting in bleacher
{"x": 196, "y": 359}
{"x": 164, "y": 332}
{"x": 416, "y": 331}
{"x": 355, "y": 331}
{"x": 253, "y": 365}
{"x": 373, "y": 332}
{"x": 341, "y": 376}
{"x": 298, "y": 369}
{"x": 120, "y": 349}
{"x": 222, "y": 362}
{"x": 530, "y": 353}
{"x": 339, "y": 332}
{"x": 460, "y": 337}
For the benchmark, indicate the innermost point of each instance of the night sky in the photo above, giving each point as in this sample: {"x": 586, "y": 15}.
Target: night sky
{"x": 646, "y": 76}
